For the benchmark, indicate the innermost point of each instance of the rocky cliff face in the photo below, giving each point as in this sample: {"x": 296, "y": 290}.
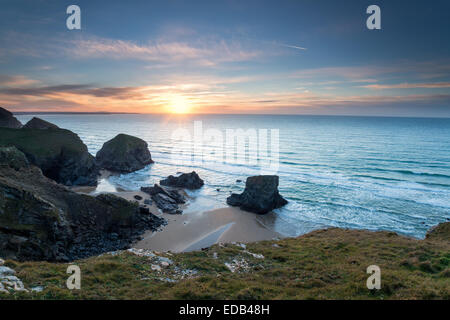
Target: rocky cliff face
{"x": 59, "y": 153}
{"x": 260, "y": 195}
{"x": 124, "y": 153}
{"x": 7, "y": 120}
{"x": 42, "y": 220}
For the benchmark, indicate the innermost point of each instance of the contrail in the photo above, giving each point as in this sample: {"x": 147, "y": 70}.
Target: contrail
{"x": 290, "y": 46}
{"x": 274, "y": 43}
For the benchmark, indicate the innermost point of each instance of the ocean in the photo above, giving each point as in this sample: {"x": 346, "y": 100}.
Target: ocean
{"x": 375, "y": 173}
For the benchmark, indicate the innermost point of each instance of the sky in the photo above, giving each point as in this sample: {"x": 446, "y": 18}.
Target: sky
{"x": 235, "y": 56}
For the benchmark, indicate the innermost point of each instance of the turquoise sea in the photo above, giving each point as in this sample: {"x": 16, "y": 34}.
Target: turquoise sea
{"x": 375, "y": 173}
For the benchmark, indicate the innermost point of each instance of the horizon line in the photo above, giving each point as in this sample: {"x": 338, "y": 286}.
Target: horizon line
{"x": 220, "y": 114}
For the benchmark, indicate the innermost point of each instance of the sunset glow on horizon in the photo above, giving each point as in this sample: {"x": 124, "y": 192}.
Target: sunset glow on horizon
{"x": 279, "y": 57}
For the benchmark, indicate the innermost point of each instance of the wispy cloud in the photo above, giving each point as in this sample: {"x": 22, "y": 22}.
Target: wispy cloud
{"x": 201, "y": 52}
{"x": 408, "y": 86}
{"x": 15, "y": 80}
{"x": 204, "y": 51}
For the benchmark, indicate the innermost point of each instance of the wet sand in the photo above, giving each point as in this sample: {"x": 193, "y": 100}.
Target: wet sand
{"x": 196, "y": 230}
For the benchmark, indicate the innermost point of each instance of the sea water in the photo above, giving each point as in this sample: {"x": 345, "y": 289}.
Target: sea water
{"x": 376, "y": 173}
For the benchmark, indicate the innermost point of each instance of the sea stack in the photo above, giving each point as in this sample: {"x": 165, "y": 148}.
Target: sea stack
{"x": 124, "y": 154}
{"x": 260, "y": 195}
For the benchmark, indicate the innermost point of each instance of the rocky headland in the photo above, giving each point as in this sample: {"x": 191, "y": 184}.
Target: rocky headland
{"x": 7, "y": 120}
{"x": 43, "y": 220}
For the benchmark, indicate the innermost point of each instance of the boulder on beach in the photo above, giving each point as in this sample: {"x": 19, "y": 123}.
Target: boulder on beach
{"x": 59, "y": 153}
{"x": 7, "y": 120}
{"x": 42, "y": 220}
{"x": 124, "y": 154}
{"x": 37, "y": 123}
{"x": 260, "y": 195}
{"x": 168, "y": 200}
{"x": 185, "y": 180}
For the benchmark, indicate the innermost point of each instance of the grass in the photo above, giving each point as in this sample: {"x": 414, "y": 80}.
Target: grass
{"x": 325, "y": 264}
{"x": 42, "y": 143}
{"x": 122, "y": 143}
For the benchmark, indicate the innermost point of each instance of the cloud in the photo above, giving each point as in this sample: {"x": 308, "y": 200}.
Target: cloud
{"x": 408, "y": 86}
{"x": 373, "y": 73}
{"x": 41, "y": 91}
{"x": 200, "y": 52}
{"x": 202, "y": 97}
{"x": 15, "y": 80}
{"x": 165, "y": 51}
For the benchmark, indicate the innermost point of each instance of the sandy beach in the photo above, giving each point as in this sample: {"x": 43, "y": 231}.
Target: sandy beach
{"x": 196, "y": 230}
{"x": 193, "y": 231}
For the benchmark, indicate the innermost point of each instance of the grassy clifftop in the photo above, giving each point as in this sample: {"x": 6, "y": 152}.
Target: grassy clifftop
{"x": 325, "y": 264}
{"x": 42, "y": 143}
{"x": 59, "y": 153}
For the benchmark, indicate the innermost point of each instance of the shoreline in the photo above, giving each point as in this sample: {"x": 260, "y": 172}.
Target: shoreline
{"x": 196, "y": 230}
{"x": 200, "y": 229}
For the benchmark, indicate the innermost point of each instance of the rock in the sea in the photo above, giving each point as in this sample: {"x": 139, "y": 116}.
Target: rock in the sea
{"x": 37, "y": 123}
{"x": 124, "y": 153}
{"x": 185, "y": 180}
{"x": 167, "y": 200}
{"x": 42, "y": 220}
{"x": 59, "y": 153}
{"x": 260, "y": 195}
{"x": 7, "y": 120}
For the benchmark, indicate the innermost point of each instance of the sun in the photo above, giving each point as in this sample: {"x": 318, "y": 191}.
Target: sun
{"x": 179, "y": 104}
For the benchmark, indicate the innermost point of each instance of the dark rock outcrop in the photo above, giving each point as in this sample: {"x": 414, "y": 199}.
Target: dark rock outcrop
{"x": 59, "y": 153}
{"x": 124, "y": 153}
{"x": 260, "y": 195}
{"x": 37, "y": 123}
{"x": 13, "y": 158}
{"x": 168, "y": 200}
{"x": 185, "y": 180}
{"x": 7, "y": 120}
{"x": 43, "y": 220}
{"x": 439, "y": 232}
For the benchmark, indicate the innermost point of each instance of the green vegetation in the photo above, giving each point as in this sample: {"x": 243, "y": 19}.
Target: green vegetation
{"x": 42, "y": 143}
{"x": 122, "y": 143}
{"x": 10, "y": 156}
{"x": 325, "y": 264}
